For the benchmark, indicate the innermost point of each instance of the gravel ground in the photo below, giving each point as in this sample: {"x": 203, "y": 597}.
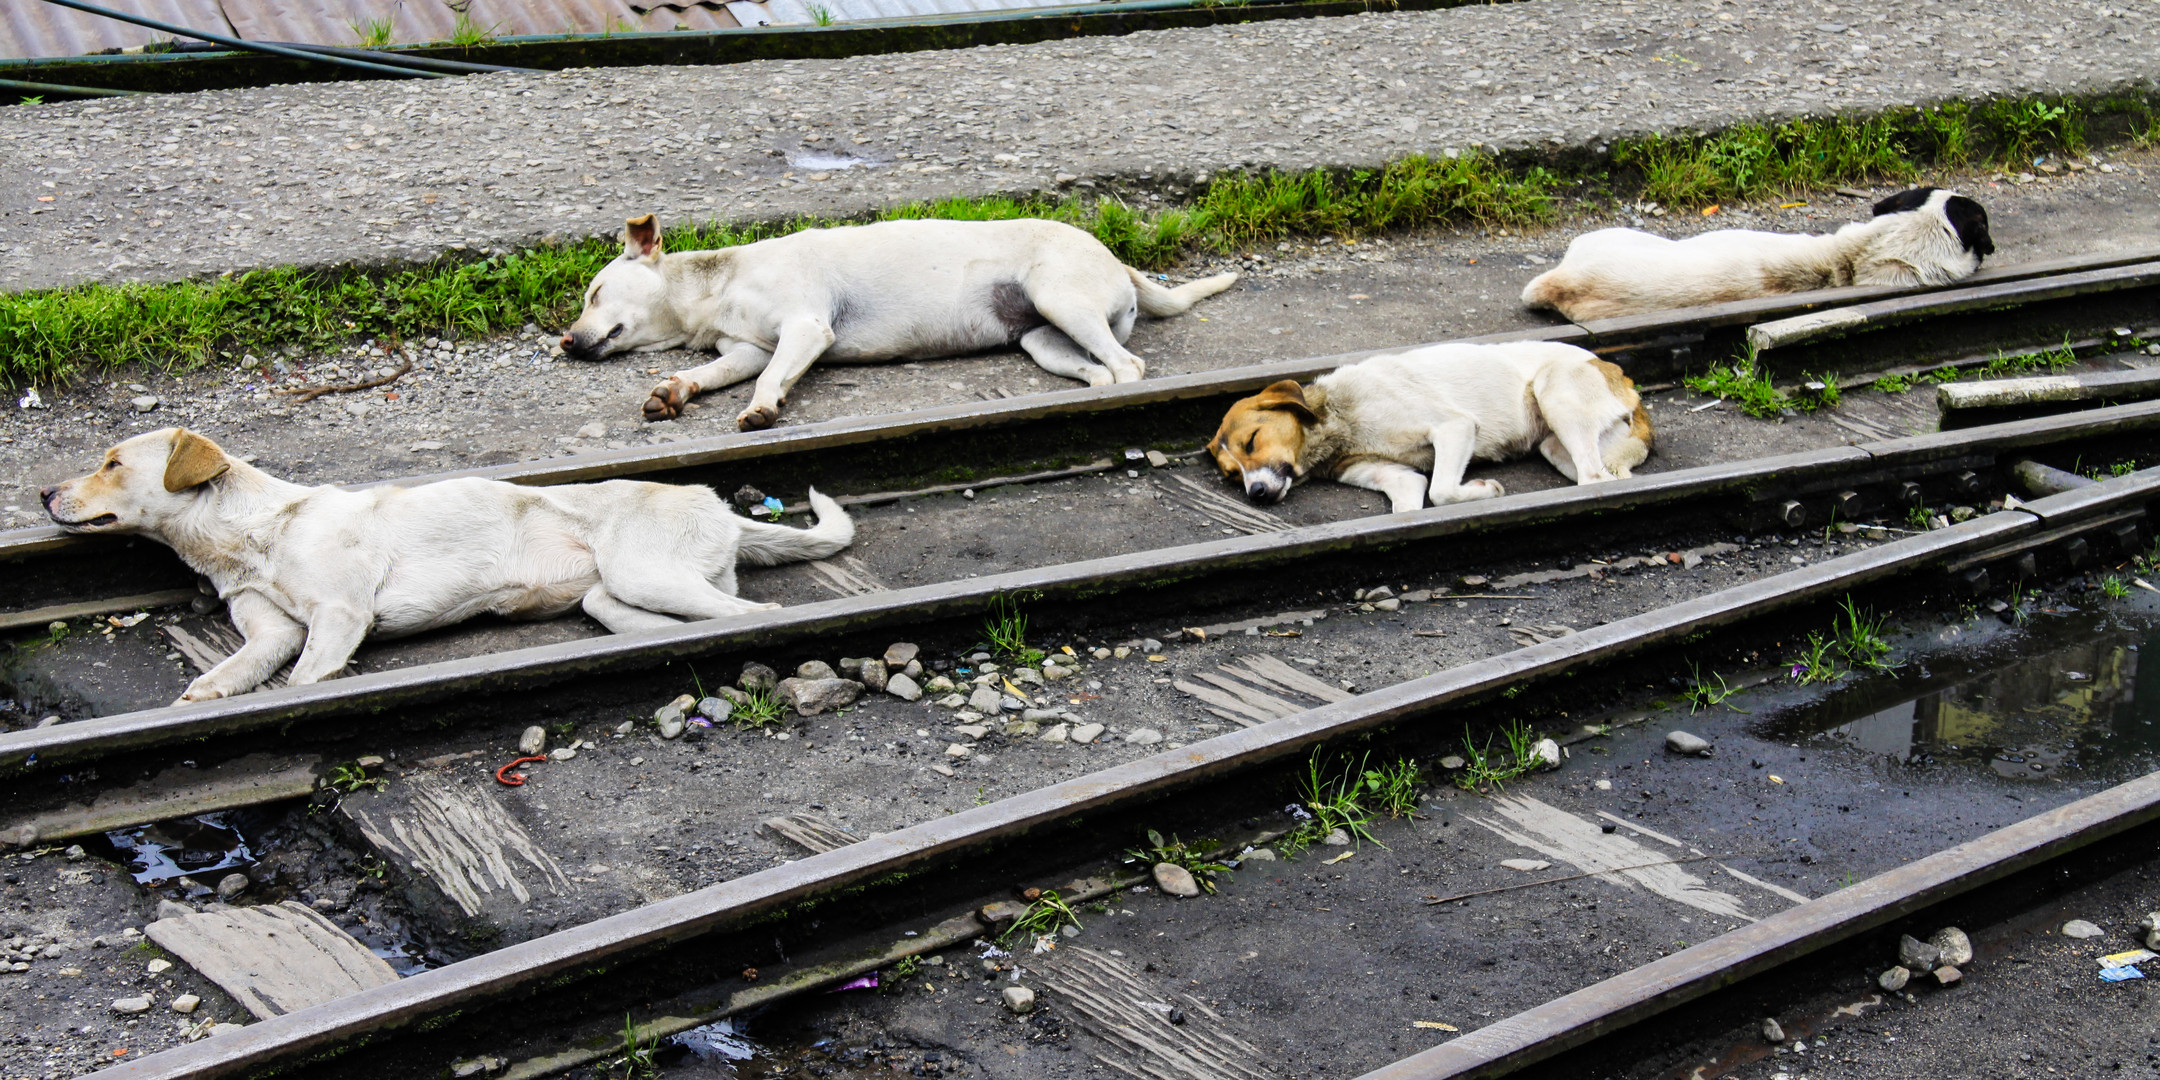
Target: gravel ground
{"x": 191, "y": 184}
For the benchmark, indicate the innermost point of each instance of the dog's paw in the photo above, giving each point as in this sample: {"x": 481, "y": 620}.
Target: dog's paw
{"x": 1486, "y": 489}
{"x": 199, "y": 692}
{"x": 757, "y": 418}
{"x": 668, "y": 399}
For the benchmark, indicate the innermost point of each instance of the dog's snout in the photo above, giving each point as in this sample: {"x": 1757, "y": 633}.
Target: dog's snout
{"x": 1256, "y": 489}
{"x": 45, "y": 496}
{"x": 569, "y": 342}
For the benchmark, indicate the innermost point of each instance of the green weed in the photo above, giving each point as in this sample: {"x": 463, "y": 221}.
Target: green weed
{"x": 1743, "y": 382}
{"x": 2114, "y": 588}
{"x": 466, "y": 33}
{"x": 1044, "y": 916}
{"x": 638, "y": 1059}
{"x": 1178, "y": 853}
{"x": 822, "y": 15}
{"x": 1817, "y": 392}
{"x": 373, "y": 33}
{"x": 1329, "y": 797}
{"x": 31, "y": 99}
{"x": 1005, "y": 631}
{"x": 1919, "y": 519}
{"x": 1857, "y": 636}
{"x": 1700, "y": 694}
{"x": 1394, "y": 788}
{"x": 1892, "y": 384}
{"x": 1817, "y": 662}
{"x": 2026, "y": 129}
{"x": 903, "y": 969}
{"x": 761, "y": 710}
{"x": 350, "y": 777}
{"x": 1486, "y": 769}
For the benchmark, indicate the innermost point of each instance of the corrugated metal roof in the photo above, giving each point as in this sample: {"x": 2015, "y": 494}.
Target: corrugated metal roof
{"x": 35, "y": 28}
{"x": 32, "y": 28}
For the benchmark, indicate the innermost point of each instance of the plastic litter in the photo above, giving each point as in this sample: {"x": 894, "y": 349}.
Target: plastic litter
{"x": 866, "y": 982}
{"x": 515, "y": 779}
{"x": 2121, "y": 974}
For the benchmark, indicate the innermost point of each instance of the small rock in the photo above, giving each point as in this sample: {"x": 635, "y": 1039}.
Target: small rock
{"x": 1011, "y": 703}
{"x": 671, "y": 726}
{"x": 902, "y": 687}
{"x": 716, "y": 709}
{"x": 565, "y": 753}
{"x": 145, "y": 403}
{"x": 1259, "y": 855}
{"x": 1337, "y": 838}
{"x": 479, "y": 1066}
{"x": 874, "y": 674}
{"x": 1452, "y": 762}
{"x": 1680, "y": 742}
{"x": 1947, "y": 975}
{"x": 816, "y": 669}
{"x": 958, "y": 751}
{"x": 942, "y": 770}
{"x": 1527, "y": 866}
{"x": 1150, "y": 645}
{"x": 1056, "y": 733}
{"x": 735, "y": 697}
{"x": 533, "y": 741}
{"x": 986, "y": 700}
{"x": 938, "y": 684}
{"x": 953, "y": 701}
{"x": 226, "y": 1029}
{"x": 232, "y": 885}
{"x": 972, "y": 731}
{"x": 2079, "y": 928}
{"x": 900, "y": 653}
{"x": 1143, "y": 736}
{"x": 1086, "y": 733}
{"x": 157, "y": 967}
{"x": 132, "y": 1004}
{"x": 1546, "y": 753}
{"x": 1175, "y": 880}
{"x": 673, "y": 711}
{"x": 1019, "y": 999}
{"x": 1376, "y": 594}
{"x": 2150, "y": 928}
{"x": 1772, "y": 1031}
{"x": 1389, "y": 604}
{"x": 1041, "y": 716}
{"x": 1158, "y": 459}
{"x": 75, "y": 853}
{"x": 757, "y": 678}
{"x": 1022, "y": 729}
{"x": 594, "y": 430}
{"x": 1917, "y": 954}
{"x": 184, "y": 1004}
{"x": 173, "y": 909}
{"x": 1955, "y": 948}
{"x": 813, "y": 696}
{"x": 628, "y": 726}
{"x": 1894, "y": 979}
{"x": 1099, "y": 653}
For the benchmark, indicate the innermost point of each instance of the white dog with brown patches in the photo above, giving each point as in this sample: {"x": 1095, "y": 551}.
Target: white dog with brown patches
{"x": 1408, "y": 424}
{"x": 1924, "y": 236}
{"x": 865, "y": 294}
{"x": 312, "y": 571}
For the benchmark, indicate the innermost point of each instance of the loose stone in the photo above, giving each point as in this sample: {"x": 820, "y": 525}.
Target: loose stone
{"x": 1917, "y": 954}
{"x": 938, "y": 684}
{"x": 673, "y": 711}
{"x": 757, "y": 678}
{"x": 132, "y": 1004}
{"x": 813, "y": 696}
{"x": 1175, "y": 880}
{"x": 2079, "y": 928}
{"x": 1680, "y": 742}
{"x": 564, "y": 753}
{"x": 1086, "y": 733}
{"x": 902, "y": 687}
{"x": 1955, "y": 947}
{"x": 957, "y": 751}
{"x": 899, "y": 653}
{"x": 1452, "y": 762}
{"x": 231, "y": 885}
{"x": 1019, "y": 999}
{"x": 986, "y": 701}
{"x": 1259, "y": 855}
{"x": 816, "y": 669}
{"x": 716, "y": 709}
{"x": 972, "y": 731}
{"x": 1772, "y": 1031}
{"x": 874, "y": 674}
{"x": 1546, "y": 753}
{"x": 1947, "y": 975}
{"x": 185, "y": 1003}
{"x": 671, "y": 726}
{"x": 1143, "y": 736}
{"x": 2150, "y": 928}
{"x": 533, "y": 741}
{"x": 1527, "y": 866}
{"x": 1894, "y": 979}
{"x": 1337, "y": 838}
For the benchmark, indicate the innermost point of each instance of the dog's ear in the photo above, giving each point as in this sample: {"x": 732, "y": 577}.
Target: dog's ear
{"x": 1969, "y": 219}
{"x": 1909, "y": 199}
{"x": 641, "y": 237}
{"x": 1288, "y": 396}
{"x": 194, "y": 461}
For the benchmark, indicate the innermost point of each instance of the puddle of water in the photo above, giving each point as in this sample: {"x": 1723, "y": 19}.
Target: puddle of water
{"x": 824, "y": 161}
{"x": 2062, "y": 696}
{"x": 191, "y": 846}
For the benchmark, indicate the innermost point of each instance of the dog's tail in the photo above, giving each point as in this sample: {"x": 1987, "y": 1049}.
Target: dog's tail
{"x": 1157, "y": 302}
{"x": 765, "y": 544}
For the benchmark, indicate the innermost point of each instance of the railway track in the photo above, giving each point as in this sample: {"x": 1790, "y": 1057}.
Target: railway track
{"x": 1806, "y": 489}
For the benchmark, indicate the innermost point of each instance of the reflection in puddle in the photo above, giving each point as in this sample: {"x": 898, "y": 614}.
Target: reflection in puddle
{"x": 2052, "y": 700}
{"x": 822, "y": 160}
{"x": 159, "y": 853}
{"x": 723, "y": 1040}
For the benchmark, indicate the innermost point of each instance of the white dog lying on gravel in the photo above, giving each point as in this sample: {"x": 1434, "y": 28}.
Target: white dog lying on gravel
{"x": 1924, "y": 236}
{"x": 896, "y": 290}
{"x": 326, "y": 566}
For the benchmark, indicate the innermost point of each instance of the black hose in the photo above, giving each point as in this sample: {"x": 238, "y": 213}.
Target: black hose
{"x": 31, "y": 88}
{"x": 427, "y": 62}
{"x": 251, "y": 46}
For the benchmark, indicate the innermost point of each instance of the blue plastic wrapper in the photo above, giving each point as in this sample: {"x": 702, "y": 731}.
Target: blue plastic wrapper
{"x": 2121, "y": 974}
{"x": 772, "y": 506}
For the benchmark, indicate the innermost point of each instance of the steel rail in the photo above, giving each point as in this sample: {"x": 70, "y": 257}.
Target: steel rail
{"x": 563, "y": 955}
{"x": 1573, "y": 1020}
{"x": 711, "y": 451}
{"x": 527, "y": 668}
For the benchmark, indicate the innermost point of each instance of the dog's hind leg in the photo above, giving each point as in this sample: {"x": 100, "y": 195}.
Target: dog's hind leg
{"x": 802, "y": 341}
{"x": 743, "y": 361}
{"x": 1061, "y": 355}
{"x": 332, "y": 635}
{"x": 1556, "y": 455}
{"x": 272, "y": 637}
{"x": 1454, "y": 441}
{"x": 1086, "y": 325}
{"x": 1578, "y": 439}
{"x": 621, "y": 618}
{"x": 1403, "y": 485}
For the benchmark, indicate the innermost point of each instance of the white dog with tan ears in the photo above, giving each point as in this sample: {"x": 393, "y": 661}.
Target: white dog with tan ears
{"x": 1925, "y": 236}
{"x": 865, "y": 294}
{"x": 1408, "y": 424}
{"x": 312, "y": 571}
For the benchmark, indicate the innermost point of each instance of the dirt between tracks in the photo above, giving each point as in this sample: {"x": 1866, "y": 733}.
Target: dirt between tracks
{"x": 509, "y": 399}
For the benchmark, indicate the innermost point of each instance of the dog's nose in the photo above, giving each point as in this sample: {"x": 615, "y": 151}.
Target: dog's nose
{"x": 45, "y": 494}
{"x": 1258, "y": 490}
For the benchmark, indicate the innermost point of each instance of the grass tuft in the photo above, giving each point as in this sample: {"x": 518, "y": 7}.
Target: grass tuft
{"x": 1486, "y": 769}
{"x": 1329, "y": 797}
{"x": 1178, "y": 853}
{"x": 1044, "y": 917}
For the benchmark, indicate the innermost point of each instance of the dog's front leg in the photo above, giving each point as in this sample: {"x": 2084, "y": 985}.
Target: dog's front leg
{"x": 331, "y": 639}
{"x": 1453, "y": 442}
{"x": 741, "y": 361}
{"x": 802, "y": 341}
{"x": 272, "y": 637}
{"x": 1403, "y": 485}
